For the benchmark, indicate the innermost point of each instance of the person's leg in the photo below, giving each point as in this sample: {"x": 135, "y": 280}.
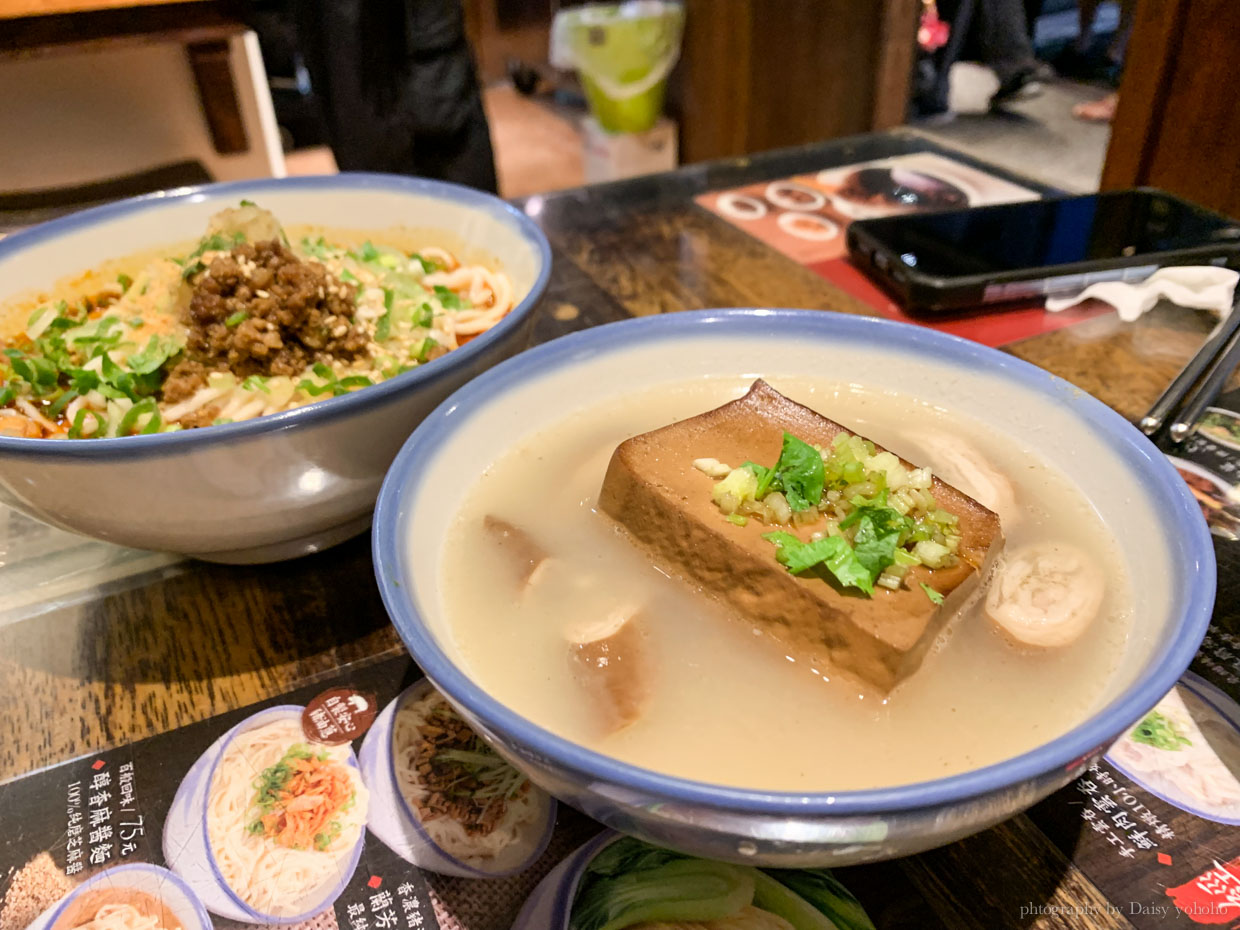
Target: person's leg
{"x": 1003, "y": 40}
{"x": 1097, "y": 111}
{"x": 1103, "y": 111}
{"x": 1118, "y": 47}
{"x": 932, "y": 97}
{"x": 1033, "y": 9}
{"x": 1087, "y": 14}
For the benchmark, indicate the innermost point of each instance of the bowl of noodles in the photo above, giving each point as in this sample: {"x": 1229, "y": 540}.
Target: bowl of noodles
{"x": 443, "y": 799}
{"x": 137, "y": 896}
{"x": 250, "y": 355}
{"x": 267, "y": 826}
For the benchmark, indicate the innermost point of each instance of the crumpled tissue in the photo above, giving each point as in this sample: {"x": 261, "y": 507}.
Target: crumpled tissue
{"x": 1196, "y": 287}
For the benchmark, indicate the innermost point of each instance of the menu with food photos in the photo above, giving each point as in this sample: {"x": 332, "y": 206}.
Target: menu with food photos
{"x": 364, "y": 802}
{"x": 805, "y": 217}
{"x": 1153, "y": 823}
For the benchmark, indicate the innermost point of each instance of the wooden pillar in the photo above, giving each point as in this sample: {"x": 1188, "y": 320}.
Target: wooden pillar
{"x": 761, "y": 74}
{"x": 1178, "y": 122}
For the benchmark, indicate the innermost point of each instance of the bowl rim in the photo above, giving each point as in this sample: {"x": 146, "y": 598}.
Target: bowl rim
{"x": 1193, "y": 577}
{"x": 322, "y": 410}
{"x": 106, "y": 875}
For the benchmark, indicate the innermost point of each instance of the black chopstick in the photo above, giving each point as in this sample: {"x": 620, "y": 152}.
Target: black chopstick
{"x": 1178, "y": 390}
{"x": 1209, "y": 388}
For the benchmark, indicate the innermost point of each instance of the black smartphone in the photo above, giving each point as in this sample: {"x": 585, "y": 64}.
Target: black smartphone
{"x": 960, "y": 259}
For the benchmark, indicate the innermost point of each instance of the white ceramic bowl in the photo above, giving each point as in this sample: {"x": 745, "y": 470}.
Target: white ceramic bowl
{"x": 278, "y": 486}
{"x": 396, "y": 823}
{"x": 157, "y": 882}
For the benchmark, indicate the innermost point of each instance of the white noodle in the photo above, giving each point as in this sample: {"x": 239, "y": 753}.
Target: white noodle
{"x": 72, "y": 408}
{"x": 31, "y": 411}
{"x": 200, "y": 399}
{"x": 1193, "y": 773}
{"x": 506, "y": 845}
{"x": 441, "y": 256}
{"x": 272, "y": 879}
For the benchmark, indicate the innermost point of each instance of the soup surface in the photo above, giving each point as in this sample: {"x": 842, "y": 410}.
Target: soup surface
{"x": 117, "y": 908}
{"x": 727, "y": 704}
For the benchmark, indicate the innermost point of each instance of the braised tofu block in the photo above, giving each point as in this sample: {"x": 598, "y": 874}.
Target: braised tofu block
{"x": 851, "y": 557}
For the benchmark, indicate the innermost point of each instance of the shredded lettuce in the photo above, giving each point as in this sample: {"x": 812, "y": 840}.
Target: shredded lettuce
{"x": 153, "y": 356}
{"x": 316, "y": 248}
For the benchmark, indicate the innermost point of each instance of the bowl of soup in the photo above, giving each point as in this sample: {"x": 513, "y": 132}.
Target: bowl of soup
{"x": 788, "y": 587}
{"x": 227, "y": 371}
{"x": 136, "y": 896}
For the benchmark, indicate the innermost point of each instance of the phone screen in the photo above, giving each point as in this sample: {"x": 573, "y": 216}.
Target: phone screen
{"x": 1040, "y": 234}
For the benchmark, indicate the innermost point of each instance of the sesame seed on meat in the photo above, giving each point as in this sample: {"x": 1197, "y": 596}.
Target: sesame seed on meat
{"x": 294, "y": 314}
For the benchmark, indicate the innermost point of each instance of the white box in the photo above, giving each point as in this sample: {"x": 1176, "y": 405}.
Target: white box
{"x": 612, "y": 156}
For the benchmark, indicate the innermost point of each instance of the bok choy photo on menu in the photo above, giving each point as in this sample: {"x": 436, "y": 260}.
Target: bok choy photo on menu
{"x": 615, "y": 883}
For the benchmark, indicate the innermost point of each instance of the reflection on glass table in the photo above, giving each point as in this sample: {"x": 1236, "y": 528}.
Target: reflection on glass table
{"x": 42, "y": 568}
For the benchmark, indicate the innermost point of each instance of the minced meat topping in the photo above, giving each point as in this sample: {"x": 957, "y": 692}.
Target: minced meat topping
{"x": 464, "y": 778}
{"x": 260, "y": 310}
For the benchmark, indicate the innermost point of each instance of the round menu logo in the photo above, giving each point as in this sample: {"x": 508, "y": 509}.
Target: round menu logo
{"x": 338, "y": 716}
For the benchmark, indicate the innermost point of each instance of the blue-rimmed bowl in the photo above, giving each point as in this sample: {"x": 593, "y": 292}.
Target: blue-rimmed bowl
{"x": 187, "y": 838}
{"x": 278, "y": 486}
{"x": 110, "y": 885}
{"x": 396, "y": 821}
{"x": 1146, "y": 505}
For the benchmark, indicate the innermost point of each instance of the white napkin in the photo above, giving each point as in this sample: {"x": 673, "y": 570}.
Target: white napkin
{"x": 1197, "y": 287}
